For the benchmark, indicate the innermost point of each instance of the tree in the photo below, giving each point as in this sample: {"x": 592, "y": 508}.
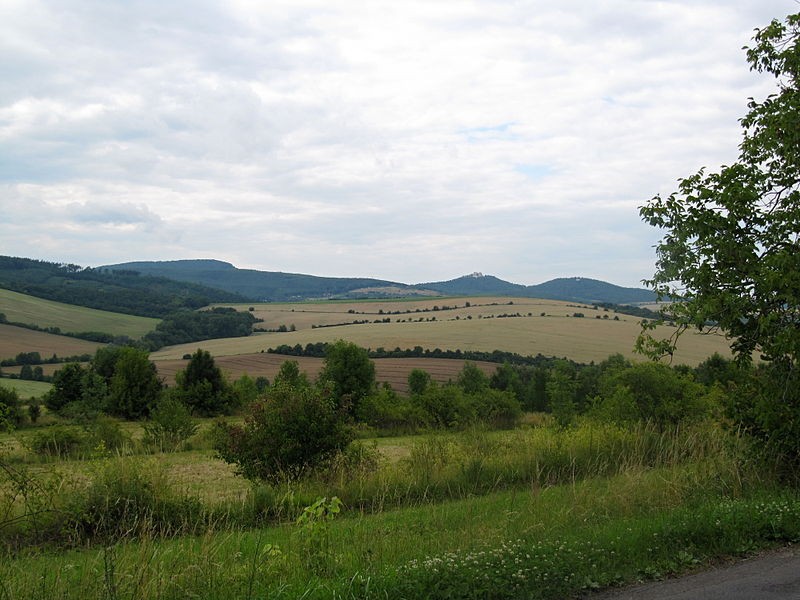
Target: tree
{"x": 350, "y": 372}
{"x": 418, "y": 381}
{"x": 135, "y": 387}
{"x": 67, "y": 387}
{"x": 471, "y": 379}
{"x": 204, "y": 388}
{"x": 731, "y": 251}
{"x": 561, "y": 387}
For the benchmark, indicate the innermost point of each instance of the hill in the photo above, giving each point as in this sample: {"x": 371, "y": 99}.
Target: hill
{"x": 122, "y": 291}
{"x": 592, "y": 291}
{"x": 273, "y": 286}
{"x": 67, "y": 318}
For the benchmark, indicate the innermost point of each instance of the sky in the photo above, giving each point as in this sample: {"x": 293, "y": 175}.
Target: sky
{"x": 407, "y": 140}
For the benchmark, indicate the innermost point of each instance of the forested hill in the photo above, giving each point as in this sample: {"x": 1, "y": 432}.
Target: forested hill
{"x": 116, "y": 291}
{"x": 277, "y": 286}
{"x": 270, "y": 286}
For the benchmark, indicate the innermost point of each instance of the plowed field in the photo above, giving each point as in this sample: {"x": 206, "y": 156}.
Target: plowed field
{"x": 390, "y": 370}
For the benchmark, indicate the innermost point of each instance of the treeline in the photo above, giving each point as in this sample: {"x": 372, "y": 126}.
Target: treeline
{"x": 319, "y": 349}
{"x": 182, "y": 327}
{"x": 125, "y": 292}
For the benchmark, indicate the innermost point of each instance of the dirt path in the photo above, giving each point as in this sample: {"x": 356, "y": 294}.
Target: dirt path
{"x": 770, "y": 576}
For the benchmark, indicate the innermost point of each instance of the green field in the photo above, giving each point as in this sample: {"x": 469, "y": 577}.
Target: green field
{"x": 26, "y": 389}
{"x": 21, "y": 308}
{"x": 481, "y": 326}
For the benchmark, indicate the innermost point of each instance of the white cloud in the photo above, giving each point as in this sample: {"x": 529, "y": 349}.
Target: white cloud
{"x": 410, "y": 141}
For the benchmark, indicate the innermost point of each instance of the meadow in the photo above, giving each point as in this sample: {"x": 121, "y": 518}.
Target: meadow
{"x": 528, "y": 513}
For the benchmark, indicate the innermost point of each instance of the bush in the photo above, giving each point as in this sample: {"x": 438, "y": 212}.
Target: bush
{"x": 106, "y": 435}
{"x": 497, "y": 409}
{"x": 285, "y": 435}
{"x": 10, "y": 412}
{"x": 170, "y": 425}
{"x": 128, "y": 499}
{"x": 60, "y": 442}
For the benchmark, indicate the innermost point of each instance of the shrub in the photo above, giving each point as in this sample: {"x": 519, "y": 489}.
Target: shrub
{"x": 59, "y": 441}
{"x": 285, "y": 435}
{"x": 497, "y": 408}
{"x": 10, "y": 413}
{"x": 170, "y": 425}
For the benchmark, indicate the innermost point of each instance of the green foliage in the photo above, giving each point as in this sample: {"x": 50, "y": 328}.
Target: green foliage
{"x": 67, "y": 387}
{"x": 315, "y": 536}
{"x": 59, "y": 442}
{"x": 291, "y": 375}
{"x": 134, "y": 388}
{"x": 350, "y": 373}
{"x": 446, "y": 406}
{"x": 561, "y": 387}
{"x": 496, "y": 408}
{"x": 170, "y": 424}
{"x": 246, "y": 390}
{"x": 418, "y": 381}
{"x": 106, "y": 436}
{"x": 651, "y": 392}
{"x": 731, "y": 252}
{"x": 204, "y": 388}
{"x": 471, "y": 379}
{"x": 284, "y": 436}
{"x": 10, "y": 412}
{"x": 191, "y": 326}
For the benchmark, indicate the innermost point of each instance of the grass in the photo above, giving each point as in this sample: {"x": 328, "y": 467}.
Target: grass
{"x": 21, "y": 308}
{"x": 534, "y": 512}
{"x": 14, "y": 340}
{"x": 556, "y": 334}
{"x": 545, "y": 543}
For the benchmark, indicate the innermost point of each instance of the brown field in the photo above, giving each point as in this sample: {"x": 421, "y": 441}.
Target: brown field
{"x": 14, "y": 340}
{"x": 47, "y": 369}
{"x": 558, "y": 333}
{"x": 393, "y": 371}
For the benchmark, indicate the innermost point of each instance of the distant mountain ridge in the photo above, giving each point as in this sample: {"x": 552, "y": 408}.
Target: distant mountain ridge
{"x": 277, "y": 286}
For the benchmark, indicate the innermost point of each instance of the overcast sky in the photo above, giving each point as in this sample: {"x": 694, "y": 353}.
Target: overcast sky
{"x": 404, "y": 140}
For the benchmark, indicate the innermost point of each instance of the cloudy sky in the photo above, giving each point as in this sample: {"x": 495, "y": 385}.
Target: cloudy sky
{"x": 410, "y": 140}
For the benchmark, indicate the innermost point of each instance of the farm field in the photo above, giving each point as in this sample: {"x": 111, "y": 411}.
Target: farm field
{"x": 14, "y": 340}
{"x": 26, "y": 389}
{"x": 477, "y": 327}
{"x": 21, "y": 308}
{"x": 393, "y": 371}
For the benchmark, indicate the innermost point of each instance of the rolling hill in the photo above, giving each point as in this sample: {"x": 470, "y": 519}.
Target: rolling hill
{"x": 120, "y": 291}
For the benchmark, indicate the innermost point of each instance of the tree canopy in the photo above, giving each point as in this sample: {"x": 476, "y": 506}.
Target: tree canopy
{"x": 731, "y": 253}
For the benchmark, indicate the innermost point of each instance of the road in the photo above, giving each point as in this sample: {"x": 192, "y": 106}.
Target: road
{"x": 770, "y": 576}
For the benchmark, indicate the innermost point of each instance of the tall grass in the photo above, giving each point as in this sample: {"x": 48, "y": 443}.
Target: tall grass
{"x": 515, "y": 544}
{"x": 129, "y": 497}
